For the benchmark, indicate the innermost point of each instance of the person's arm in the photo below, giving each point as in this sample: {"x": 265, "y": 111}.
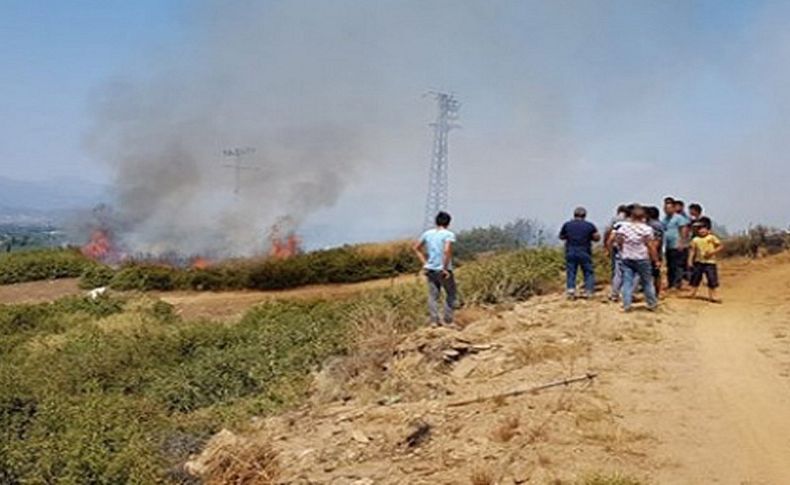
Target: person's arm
{"x": 447, "y": 259}
{"x": 607, "y": 239}
{"x": 609, "y": 243}
{"x": 652, "y": 249}
{"x": 563, "y": 234}
{"x": 692, "y": 254}
{"x": 718, "y": 246}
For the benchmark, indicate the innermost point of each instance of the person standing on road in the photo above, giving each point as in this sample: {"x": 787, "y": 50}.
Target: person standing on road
{"x": 614, "y": 254}
{"x": 579, "y": 236}
{"x": 653, "y": 220}
{"x": 435, "y": 251}
{"x": 676, "y": 232}
{"x": 637, "y": 244}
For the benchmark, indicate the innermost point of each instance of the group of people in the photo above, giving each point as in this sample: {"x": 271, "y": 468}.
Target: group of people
{"x": 640, "y": 243}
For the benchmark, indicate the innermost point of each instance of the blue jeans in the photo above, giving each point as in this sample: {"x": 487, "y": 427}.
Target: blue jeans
{"x": 574, "y": 258}
{"x": 644, "y": 270}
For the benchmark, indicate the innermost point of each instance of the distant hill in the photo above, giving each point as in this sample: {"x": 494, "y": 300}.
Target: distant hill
{"x": 24, "y": 201}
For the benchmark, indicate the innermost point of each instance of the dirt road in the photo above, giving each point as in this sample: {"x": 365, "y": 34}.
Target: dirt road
{"x": 734, "y": 412}
{"x": 696, "y": 393}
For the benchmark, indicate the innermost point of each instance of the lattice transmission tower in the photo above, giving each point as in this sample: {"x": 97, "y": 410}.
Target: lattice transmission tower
{"x": 438, "y": 183}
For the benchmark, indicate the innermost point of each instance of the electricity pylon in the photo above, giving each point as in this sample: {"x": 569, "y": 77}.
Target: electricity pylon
{"x": 237, "y": 154}
{"x": 438, "y": 183}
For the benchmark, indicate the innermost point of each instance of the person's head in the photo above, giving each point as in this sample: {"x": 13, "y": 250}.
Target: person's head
{"x": 652, "y": 213}
{"x": 669, "y": 206}
{"x": 580, "y": 213}
{"x": 695, "y": 210}
{"x": 637, "y": 213}
{"x": 680, "y": 206}
{"x": 443, "y": 219}
{"x": 622, "y": 210}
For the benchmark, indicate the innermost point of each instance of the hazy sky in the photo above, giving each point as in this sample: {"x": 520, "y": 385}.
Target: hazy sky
{"x": 564, "y": 102}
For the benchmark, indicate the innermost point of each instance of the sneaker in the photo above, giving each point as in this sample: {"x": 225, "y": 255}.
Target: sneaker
{"x": 452, "y": 326}
{"x": 614, "y": 298}
{"x": 570, "y": 296}
{"x": 434, "y": 324}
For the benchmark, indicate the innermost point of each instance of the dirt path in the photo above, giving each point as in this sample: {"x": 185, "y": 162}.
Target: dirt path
{"x": 739, "y": 400}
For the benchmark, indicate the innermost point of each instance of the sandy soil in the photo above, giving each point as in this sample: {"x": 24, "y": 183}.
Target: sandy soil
{"x": 696, "y": 393}
{"x": 38, "y": 291}
{"x": 232, "y": 304}
{"x": 196, "y": 304}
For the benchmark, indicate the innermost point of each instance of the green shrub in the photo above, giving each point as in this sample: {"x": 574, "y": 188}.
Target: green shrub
{"x": 511, "y": 276}
{"x": 96, "y": 276}
{"x": 43, "y": 264}
{"x": 144, "y": 277}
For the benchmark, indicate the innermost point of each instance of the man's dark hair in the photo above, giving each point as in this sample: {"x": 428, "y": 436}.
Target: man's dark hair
{"x": 669, "y": 200}
{"x": 621, "y": 208}
{"x": 636, "y": 210}
{"x": 679, "y": 203}
{"x": 443, "y": 219}
{"x": 706, "y": 222}
{"x": 629, "y": 209}
{"x": 695, "y": 207}
{"x": 652, "y": 212}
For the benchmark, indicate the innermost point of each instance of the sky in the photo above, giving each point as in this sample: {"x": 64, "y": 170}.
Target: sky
{"x": 564, "y": 103}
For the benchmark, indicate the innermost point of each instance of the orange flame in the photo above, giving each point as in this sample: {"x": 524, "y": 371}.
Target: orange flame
{"x": 284, "y": 248}
{"x": 200, "y": 263}
{"x": 99, "y": 247}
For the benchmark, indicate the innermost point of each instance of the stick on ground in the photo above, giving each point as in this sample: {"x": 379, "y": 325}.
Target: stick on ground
{"x": 517, "y": 392}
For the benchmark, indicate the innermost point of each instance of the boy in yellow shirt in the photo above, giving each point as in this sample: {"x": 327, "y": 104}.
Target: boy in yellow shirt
{"x": 702, "y": 258}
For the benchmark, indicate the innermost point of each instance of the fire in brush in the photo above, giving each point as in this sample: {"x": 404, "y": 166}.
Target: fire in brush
{"x": 284, "y": 243}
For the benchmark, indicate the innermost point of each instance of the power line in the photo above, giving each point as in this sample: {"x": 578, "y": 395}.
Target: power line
{"x": 438, "y": 182}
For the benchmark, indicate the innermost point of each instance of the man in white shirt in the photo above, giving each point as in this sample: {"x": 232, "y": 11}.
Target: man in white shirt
{"x": 637, "y": 244}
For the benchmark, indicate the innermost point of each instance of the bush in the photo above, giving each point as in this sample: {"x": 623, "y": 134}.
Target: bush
{"x": 511, "y": 276}
{"x": 757, "y": 241}
{"x": 42, "y": 264}
{"x": 96, "y": 276}
{"x": 519, "y": 234}
{"x": 348, "y": 264}
{"x": 144, "y": 277}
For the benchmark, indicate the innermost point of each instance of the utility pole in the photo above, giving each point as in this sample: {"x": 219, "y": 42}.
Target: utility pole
{"x": 237, "y": 154}
{"x": 438, "y": 183}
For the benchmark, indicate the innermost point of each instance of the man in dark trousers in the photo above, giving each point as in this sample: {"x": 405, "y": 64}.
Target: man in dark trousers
{"x": 579, "y": 236}
{"x": 435, "y": 251}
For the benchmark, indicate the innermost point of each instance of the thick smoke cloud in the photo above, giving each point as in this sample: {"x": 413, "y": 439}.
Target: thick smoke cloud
{"x": 565, "y": 103}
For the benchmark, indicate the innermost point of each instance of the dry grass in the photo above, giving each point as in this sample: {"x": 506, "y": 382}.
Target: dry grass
{"x": 250, "y": 464}
{"x": 610, "y": 479}
{"x": 528, "y": 352}
{"x": 507, "y": 429}
{"x": 482, "y": 476}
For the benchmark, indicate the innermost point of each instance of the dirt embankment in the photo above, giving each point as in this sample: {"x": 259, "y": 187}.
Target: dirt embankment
{"x": 695, "y": 393}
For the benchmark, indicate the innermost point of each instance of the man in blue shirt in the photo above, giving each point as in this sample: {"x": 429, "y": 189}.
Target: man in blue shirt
{"x": 435, "y": 250}
{"x": 579, "y": 235}
{"x": 676, "y": 231}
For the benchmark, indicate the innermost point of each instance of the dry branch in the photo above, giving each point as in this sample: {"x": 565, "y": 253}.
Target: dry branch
{"x": 517, "y": 392}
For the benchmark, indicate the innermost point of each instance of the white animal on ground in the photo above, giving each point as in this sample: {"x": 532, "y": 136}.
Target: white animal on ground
{"x": 97, "y": 292}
